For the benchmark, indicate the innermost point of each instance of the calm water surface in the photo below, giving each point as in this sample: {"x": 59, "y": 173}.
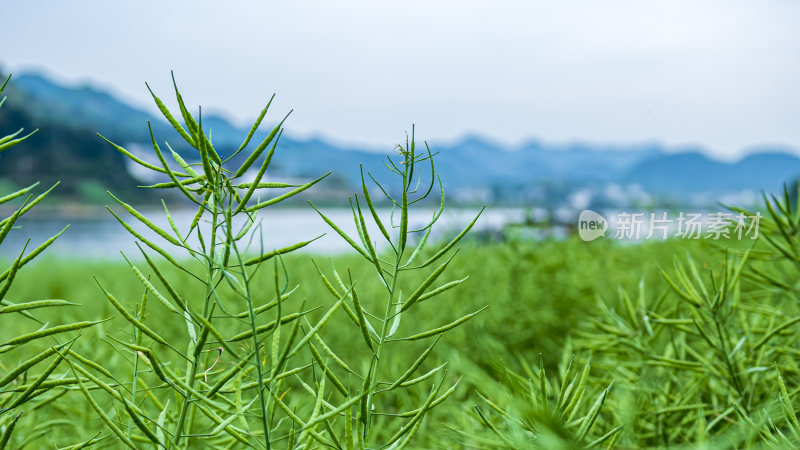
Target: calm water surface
{"x": 103, "y": 237}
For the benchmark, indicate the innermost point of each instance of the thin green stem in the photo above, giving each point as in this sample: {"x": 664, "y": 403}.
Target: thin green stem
{"x": 210, "y": 275}
{"x": 257, "y": 352}
{"x": 391, "y": 296}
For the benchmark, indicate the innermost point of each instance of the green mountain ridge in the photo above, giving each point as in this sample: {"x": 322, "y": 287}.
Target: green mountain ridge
{"x": 67, "y": 148}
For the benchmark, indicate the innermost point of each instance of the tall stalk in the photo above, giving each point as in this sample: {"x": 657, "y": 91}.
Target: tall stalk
{"x": 389, "y": 275}
{"x": 221, "y": 227}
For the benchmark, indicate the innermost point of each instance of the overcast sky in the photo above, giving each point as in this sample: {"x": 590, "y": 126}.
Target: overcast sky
{"x": 723, "y": 74}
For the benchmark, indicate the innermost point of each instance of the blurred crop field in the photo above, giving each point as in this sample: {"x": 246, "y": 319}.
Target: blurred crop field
{"x": 539, "y": 295}
{"x": 536, "y": 292}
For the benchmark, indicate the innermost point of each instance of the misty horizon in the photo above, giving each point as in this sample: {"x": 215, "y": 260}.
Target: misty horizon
{"x": 353, "y": 143}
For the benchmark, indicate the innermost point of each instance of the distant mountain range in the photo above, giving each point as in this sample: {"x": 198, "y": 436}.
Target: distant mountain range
{"x": 66, "y": 148}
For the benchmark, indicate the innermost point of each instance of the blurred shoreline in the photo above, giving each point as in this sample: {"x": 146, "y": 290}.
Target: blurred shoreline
{"x": 95, "y": 234}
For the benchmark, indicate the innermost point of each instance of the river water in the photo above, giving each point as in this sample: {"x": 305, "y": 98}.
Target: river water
{"x": 102, "y": 237}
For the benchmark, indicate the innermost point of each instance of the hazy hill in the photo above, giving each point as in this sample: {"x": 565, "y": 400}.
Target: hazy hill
{"x": 66, "y": 148}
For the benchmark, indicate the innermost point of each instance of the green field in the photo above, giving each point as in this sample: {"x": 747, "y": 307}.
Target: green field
{"x": 546, "y": 298}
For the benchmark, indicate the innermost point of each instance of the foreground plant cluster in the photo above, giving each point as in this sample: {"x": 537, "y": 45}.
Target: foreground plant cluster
{"x": 215, "y": 343}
